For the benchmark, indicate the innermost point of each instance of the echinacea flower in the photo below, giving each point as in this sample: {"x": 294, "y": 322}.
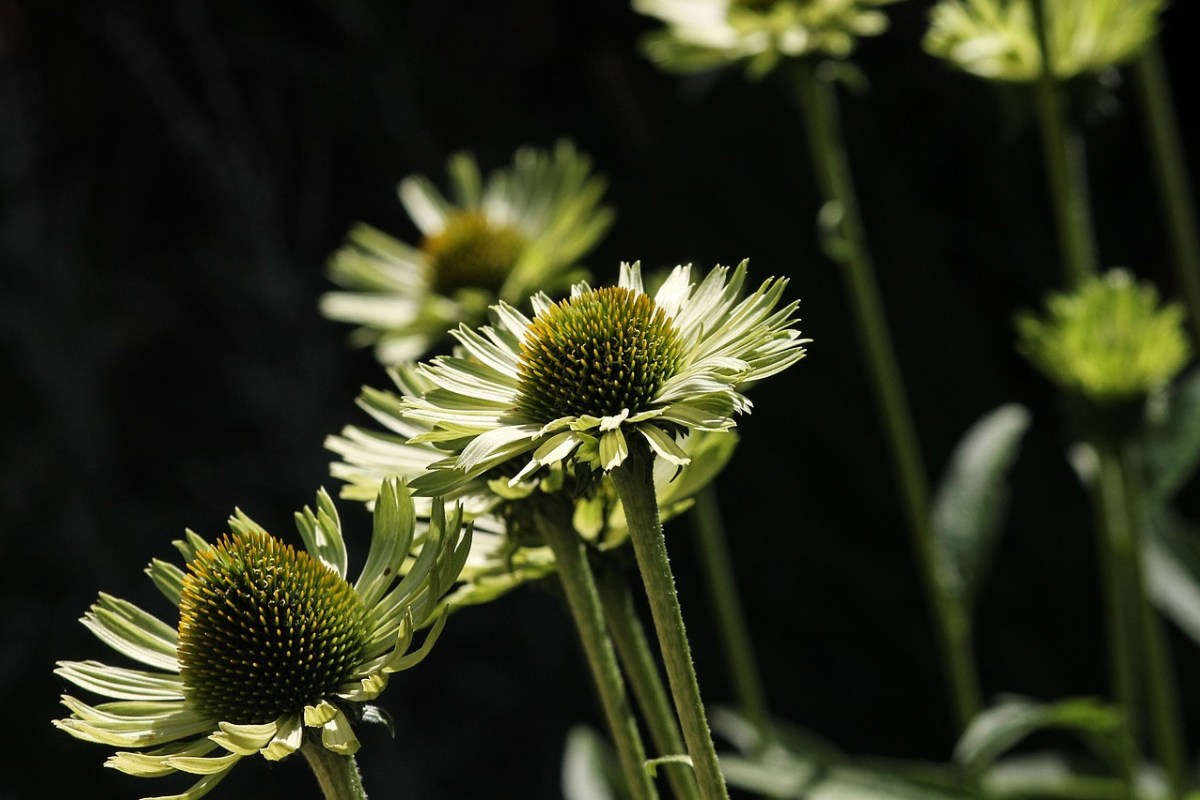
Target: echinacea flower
{"x": 522, "y": 231}
{"x": 997, "y": 40}
{"x": 500, "y": 560}
{"x": 573, "y": 383}
{"x": 1109, "y": 340}
{"x": 703, "y": 34}
{"x": 275, "y": 649}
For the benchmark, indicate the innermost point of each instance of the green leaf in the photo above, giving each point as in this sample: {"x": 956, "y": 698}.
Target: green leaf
{"x": 995, "y": 731}
{"x": 1172, "y": 449}
{"x": 590, "y": 770}
{"x": 972, "y": 498}
{"x": 859, "y": 783}
{"x": 1049, "y": 774}
{"x": 1172, "y": 559}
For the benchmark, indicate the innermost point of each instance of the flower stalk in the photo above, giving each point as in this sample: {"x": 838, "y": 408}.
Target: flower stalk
{"x": 716, "y": 564}
{"x": 1066, "y": 165}
{"x": 641, "y": 667}
{"x": 635, "y": 486}
{"x": 831, "y": 165}
{"x": 1153, "y": 93}
{"x": 337, "y": 775}
{"x": 1134, "y": 626}
{"x": 579, "y": 585}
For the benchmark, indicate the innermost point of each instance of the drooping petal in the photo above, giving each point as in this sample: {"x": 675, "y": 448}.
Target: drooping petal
{"x": 133, "y": 723}
{"x": 337, "y": 735}
{"x": 120, "y": 683}
{"x": 153, "y": 764}
{"x": 131, "y": 631}
{"x": 245, "y": 740}
{"x": 288, "y": 739}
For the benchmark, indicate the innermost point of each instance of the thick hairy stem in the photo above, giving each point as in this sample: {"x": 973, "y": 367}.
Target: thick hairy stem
{"x": 634, "y": 480}
{"x": 579, "y": 585}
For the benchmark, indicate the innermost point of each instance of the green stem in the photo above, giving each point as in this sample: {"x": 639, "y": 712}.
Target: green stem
{"x": 1066, "y": 167}
{"x": 1153, "y": 93}
{"x": 1146, "y": 690}
{"x": 642, "y": 670}
{"x": 634, "y": 480}
{"x": 738, "y": 649}
{"x": 1116, "y": 542}
{"x": 337, "y": 775}
{"x": 579, "y": 585}
{"x": 1166, "y": 726}
{"x": 832, "y": 167}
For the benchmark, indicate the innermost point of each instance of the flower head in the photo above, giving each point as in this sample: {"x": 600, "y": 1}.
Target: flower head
{"x": 996, "y": 39}
{"x": 520, "y": 232}
{"x": 571, "y": 384}
{"x": 502, "y": 558}
{"x": 275, "y": 648}
{"x": 1108, "y": 341}
{"x": 702, "y": 34}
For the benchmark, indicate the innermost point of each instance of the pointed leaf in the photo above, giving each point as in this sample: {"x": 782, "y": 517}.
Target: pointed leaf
{"x": 1172, "y": 449}
{"x": 1172, "y": 560}
{"x": 971, "y": 501}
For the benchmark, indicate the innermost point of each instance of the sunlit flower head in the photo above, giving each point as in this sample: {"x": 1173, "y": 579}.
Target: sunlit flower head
{"x": 521, "y": 231}
{"x": 275, "y": 649}
{"x": 703, "y": 34}
{"x": 502, "y": 558}
{"x": 996, "y": 39}
{"x": 573, "y": 383}
{"x": 1109, "y": 340}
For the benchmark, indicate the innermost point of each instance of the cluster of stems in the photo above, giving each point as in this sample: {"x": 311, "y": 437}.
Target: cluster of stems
{"x": 1141, "y": 671}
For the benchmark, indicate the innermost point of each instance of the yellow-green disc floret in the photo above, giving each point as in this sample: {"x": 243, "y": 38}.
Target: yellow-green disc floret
{"x": 264, "y": 629}
{"x": 472, "y": 251}
{"x": 600, "y": 353}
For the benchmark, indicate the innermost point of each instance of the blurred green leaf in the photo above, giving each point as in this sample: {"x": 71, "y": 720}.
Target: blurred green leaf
{"x": 796, "y": 763}
{"x": 1052, "y": 775}
{"x": 972, "y": 498}
{"x": 590, "y": 770}
{"x": 1172, "y": 559}
{"x": 1172, "y": 441}
{"x": 994, "y": 732}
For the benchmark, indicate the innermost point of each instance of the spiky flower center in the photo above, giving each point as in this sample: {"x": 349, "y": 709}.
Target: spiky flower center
{"x": 472, "y": 251}
{"x": 264, "y": 630}
{"x": 599, "y": 353}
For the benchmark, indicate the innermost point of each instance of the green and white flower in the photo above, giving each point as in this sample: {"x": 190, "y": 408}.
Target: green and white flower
{"x": 1109, "y": 340}
{"x": 570, "y": 385}
{"x": 522, "y": 231}
{"x": 703, "y": 34}
{"x": 499, "y": 560}
{"x": 275, "y": 649}
{"x": 997, "y": 40}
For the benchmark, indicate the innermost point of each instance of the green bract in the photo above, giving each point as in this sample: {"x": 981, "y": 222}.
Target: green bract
{"x": 716, "y": 342}
{"x": 275, "y": 648}
{"x": 1109, "y": 340}
{"x": 522, "y": 231}
{"x": 500, "y": 561}
{"x": 996, "y": 39}
{"x": 703, "y": 34}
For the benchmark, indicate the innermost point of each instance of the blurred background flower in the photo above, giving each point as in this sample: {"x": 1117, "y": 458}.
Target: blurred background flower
{"x": 520, "y": 232}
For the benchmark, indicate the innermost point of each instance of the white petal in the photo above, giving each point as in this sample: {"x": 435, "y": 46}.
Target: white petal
{"x": 424, "y": 204}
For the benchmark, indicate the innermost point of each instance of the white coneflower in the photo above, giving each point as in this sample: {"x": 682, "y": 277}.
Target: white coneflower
{"x": 521, "y": 231}
{"x": 702, "y": 34}
{"x": 275, "y": 651}
{"x": 603, "y": 365}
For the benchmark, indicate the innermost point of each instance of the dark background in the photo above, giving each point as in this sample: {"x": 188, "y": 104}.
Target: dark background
{"x": 173, "y": 176}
